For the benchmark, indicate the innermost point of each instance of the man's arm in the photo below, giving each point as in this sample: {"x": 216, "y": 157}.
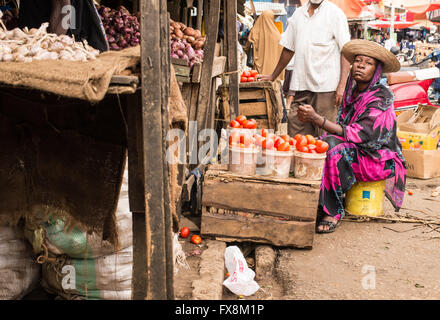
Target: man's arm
{"x": 342, "y": 35}
{"x": 57, "y": 17}
{"x": 286, "y": 56}
{"x": 345, "y": 69}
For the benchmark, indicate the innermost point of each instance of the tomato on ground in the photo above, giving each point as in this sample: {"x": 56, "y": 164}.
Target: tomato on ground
{"x": 184, "y": 232}
{"x": 196, "y": 239}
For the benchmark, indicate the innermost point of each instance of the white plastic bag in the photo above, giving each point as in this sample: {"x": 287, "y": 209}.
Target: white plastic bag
{"x": 241, "y": 278}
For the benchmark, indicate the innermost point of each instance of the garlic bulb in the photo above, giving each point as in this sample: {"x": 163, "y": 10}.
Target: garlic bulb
{"x": 23, "y": 45}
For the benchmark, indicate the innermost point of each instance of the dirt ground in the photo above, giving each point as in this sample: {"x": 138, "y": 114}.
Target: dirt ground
{"x": 376, "y": 259}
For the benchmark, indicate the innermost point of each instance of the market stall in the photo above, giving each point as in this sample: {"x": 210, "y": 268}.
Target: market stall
{"x": 80, "y": 112}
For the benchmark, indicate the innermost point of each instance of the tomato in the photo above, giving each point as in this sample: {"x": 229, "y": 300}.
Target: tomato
{"x": 311, "y": 147}
{"x": 246, "y": 74}
{"x": 251, "y": 79}
{"x": 234, "y": 124}
{"x": 313, "y": 151}
{"x": 271, "y": 136}
{"x": 259, "y": 140}
{"x": 184, "y": 232}
{"x": 234, "y": 138}
{"x": 245, "y": 140}
{"x": 268, "y": 143}
{"x": 196, "y": 239}
{"x": 240, "y": 119}
{"x": 250, "y": 124}
{"x": 243, "y": 79}
{"x": 278, "y": 142}
{"x": 264, "y": 133}
{"x": 292, "y": 142}
{"x": 285, "y": 146}
{"x": 303, "y": 149}
{"x": 300, "y": 140}
{"x": 285, "y": 137}
{"x": 310, "y": 139}
{"x": 254, "y": 73}
{"x": 321, "y": 146}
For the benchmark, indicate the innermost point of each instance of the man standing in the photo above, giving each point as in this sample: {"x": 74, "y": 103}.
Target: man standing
{"x": 389, "y": 43}
{"x": 315, "y": 35}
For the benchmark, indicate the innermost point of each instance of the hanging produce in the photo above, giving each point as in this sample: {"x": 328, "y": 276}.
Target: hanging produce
{"x": 121, "y": 27}
{"x": 186, "y": 43}
{"x": 23, "y": 45}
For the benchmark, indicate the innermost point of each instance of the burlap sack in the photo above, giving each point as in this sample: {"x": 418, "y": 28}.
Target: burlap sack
{"x": 82, "y": 80}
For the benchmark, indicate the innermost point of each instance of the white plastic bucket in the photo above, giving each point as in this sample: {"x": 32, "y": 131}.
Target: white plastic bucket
{"x": 242, "y": 161}
{"x": 309, "y": 166}
{"x": 276, "y": 163}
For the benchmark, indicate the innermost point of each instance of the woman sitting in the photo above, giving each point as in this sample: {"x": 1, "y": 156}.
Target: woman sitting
{"x": 363, "y": 143}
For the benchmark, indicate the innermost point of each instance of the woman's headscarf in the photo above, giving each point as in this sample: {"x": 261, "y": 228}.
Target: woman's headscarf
{"x": 349, "y": 101}
{"x": 266, "y": 40}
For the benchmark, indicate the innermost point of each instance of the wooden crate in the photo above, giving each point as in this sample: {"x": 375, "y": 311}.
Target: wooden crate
{"x": 281, "y": 212}
{"x": 259, "y": 100}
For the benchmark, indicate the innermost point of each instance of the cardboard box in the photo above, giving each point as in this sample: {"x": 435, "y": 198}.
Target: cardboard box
{"x": 419, "y": 129}
{"x": 422, "y": 164}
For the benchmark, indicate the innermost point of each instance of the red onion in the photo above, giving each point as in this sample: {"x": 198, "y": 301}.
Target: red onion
{"x": 122, "y": 29}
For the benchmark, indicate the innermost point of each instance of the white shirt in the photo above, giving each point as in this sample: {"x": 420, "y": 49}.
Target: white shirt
{"x": 291, "y": 64}
{"x": 388, "y": 44}
{"x": 317, "y": 42}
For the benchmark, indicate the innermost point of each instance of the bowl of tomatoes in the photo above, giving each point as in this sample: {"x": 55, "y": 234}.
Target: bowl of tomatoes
{"x": 243, "y": 151}
{"x": 276, "y": 154}
{"x": 309, "y": 157}
{"x": 249, "y": 76}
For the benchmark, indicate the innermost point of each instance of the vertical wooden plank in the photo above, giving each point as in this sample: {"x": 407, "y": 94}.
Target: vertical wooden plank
{"x": 199, "y": 14}
{"x": 165, "y": 84}
{"x": 135, "y": 156}
{"x": 206, "y": 79}
{"x": 154, "y": 265}
{"x": 232, "y": 55}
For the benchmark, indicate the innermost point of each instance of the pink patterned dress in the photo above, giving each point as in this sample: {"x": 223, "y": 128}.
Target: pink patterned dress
{"x": 368, "y": 150}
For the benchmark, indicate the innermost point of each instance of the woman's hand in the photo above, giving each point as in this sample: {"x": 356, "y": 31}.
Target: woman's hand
{"x": 265, "y": 77}
{"x": 306, "y": 113}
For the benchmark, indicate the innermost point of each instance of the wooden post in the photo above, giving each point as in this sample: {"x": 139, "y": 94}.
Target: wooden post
{"x": 232, "y": 55}
{"x": 212, "y": 20}
{"x": 199, "y": 14}
{"x": 151, "y": 229}
{"x": 165, "y": 84}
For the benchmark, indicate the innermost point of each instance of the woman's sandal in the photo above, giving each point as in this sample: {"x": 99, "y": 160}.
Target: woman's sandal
{"x": 332, "y": 226}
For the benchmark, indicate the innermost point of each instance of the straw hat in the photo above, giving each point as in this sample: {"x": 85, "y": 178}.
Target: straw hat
{"x": 371, "y": 49}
